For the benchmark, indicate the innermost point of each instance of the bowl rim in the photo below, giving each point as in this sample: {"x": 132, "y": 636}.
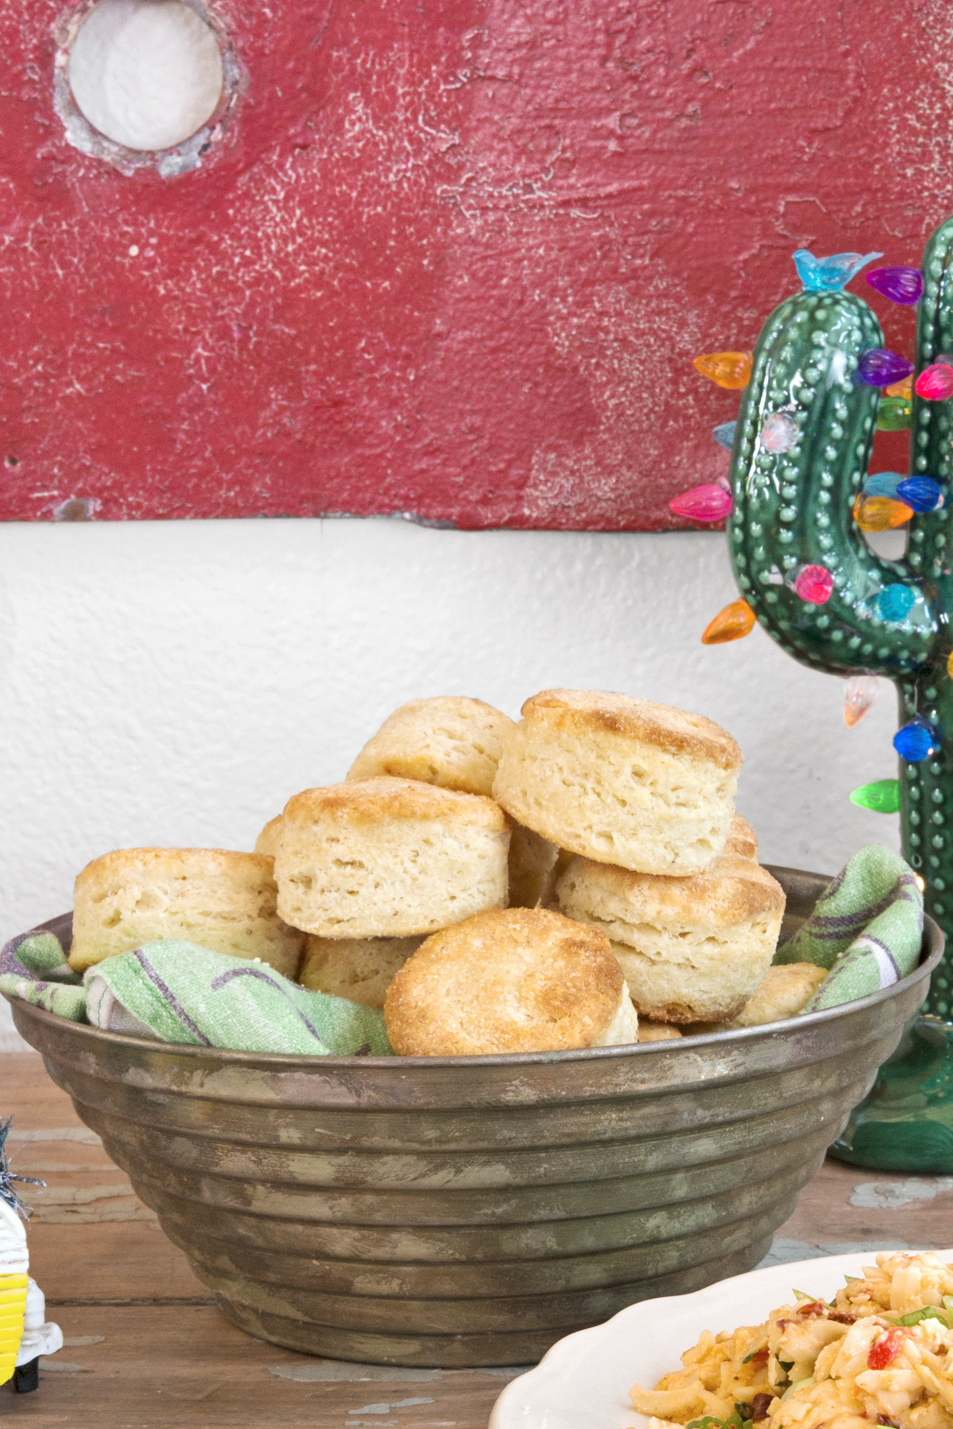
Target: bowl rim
{"x": 931, "y": 952}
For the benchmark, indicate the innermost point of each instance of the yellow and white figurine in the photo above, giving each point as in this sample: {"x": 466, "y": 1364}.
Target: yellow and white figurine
{"x": 24, "y": 1335}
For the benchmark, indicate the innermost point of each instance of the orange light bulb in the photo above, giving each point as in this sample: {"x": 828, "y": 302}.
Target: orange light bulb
{"x": 728, "y": 369}
{"x": 879, "y": 513}
{"x": 732, "y": 623}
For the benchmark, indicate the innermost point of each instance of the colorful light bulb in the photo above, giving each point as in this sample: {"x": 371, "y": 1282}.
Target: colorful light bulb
{"x": 860, "y": 693}
{"x": 894, "y": 414}
{"x": 899, "y": 284}
{"x": 724, "y": 434}
{"x": 935, "y": 383}
{"x": 949, "y": 666}
{"x": 827, "y": 275}
{"x": 916, "y": 741}
{"x": 878, "y": 513}
{"x": 879, "y": 367}
{"x": 703, "y": 503}
{"x": 883, "y": 796}
{"x": 814, "y": 584}
{"x": 894, "y": 602}
{"x": 779, "y": 433}
{"x": 900, "y": 389}
{"x": 883, "y": 483}
{"x": 921, "y": 493}
{"x": 728, "y": 369}
{"x": 732, "y": 623}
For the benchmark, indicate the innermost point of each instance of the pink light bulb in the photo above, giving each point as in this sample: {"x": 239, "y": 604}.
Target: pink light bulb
{"x": 935, "y": 382}
{"x": 814, "y": 584}
{"x": 703, "y": 503}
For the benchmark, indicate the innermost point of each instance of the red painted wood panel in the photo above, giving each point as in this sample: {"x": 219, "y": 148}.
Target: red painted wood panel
{"x": 447, "y": 257}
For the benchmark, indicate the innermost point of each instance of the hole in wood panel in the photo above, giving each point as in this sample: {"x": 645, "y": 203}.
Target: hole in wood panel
{"x": 145, "y": 73}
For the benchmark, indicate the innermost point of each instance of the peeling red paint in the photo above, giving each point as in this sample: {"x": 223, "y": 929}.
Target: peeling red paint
{"x": 450, "y": 259}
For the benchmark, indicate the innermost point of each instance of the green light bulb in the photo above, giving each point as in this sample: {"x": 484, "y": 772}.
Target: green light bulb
{"x": 883, "y": 796}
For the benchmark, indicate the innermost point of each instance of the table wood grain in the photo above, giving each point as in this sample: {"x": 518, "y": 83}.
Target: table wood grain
{"x": 145, "y": 1345}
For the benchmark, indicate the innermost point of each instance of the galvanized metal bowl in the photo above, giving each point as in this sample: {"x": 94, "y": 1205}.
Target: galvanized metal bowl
{"x": 471, "y": 1211}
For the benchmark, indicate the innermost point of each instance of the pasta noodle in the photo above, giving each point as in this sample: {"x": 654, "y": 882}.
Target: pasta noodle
{"x": 880, "y": 1353}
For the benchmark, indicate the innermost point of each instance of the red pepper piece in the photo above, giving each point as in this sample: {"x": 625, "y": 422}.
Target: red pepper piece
{"x": 884, "y": 1350}
{"x": 812, "y": 1307}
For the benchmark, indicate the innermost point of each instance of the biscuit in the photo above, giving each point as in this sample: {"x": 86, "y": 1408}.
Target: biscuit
{"x": 221, "y": 900}
{"x": 451, "y": 741}
{"x": 389, "y": 858}
{"x": 523, "y": 980}
{"x": 533, "y": 864}
{"x": 742, "y": 838}
{"x": 267, "y": 840}
{"x": 360, "y": 969}
{"x": 621, "y": 781}
{"x": 783, "y": 993}
{"x": 692, "y": 949}
{"x": 657, "y": 1032}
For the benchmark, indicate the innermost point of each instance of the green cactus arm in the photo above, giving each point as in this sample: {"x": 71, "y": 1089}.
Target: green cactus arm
{"x": 794, "y": 508}
{"x": 929, "y": 547}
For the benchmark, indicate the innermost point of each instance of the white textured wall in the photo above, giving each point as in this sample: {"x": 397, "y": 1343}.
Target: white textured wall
{"x": 173, "y": 683}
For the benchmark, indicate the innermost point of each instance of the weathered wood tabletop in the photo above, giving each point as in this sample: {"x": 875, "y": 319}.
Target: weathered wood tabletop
{"x": 145, "y": 1345}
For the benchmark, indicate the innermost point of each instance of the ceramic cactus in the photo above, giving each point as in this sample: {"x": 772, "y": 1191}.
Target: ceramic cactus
{"x": 794, "y": 508}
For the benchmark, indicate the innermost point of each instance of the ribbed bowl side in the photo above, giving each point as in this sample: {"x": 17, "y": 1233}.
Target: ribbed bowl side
{"x": 421, "y": 1211}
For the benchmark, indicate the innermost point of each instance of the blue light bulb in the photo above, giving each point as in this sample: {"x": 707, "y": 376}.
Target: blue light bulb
{"x": 915, "y": 741}
{"x": 894, "y": 602}
{"x": 921, "y": 493}
{"x": 724, "y": 434}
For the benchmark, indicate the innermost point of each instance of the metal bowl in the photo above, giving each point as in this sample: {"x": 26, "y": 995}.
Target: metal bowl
{"x": 472, "y": 1211}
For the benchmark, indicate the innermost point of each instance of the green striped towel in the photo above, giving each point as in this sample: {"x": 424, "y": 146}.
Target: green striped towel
{"x": 33, "y": 968}
{"x": 867, "y": 929}
{"x": 178, "y": 992}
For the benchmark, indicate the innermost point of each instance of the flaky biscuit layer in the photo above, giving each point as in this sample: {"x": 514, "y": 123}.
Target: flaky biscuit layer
{"x": 450, "y": 741}
{"x": 620, "y": 781}
{"x": 220, "y": 899}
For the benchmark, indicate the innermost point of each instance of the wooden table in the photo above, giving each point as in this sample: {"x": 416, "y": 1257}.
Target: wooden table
{"x": 146, "y": 1347}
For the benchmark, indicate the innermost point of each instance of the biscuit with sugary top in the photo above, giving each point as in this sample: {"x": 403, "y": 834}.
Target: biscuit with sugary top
{"x": 360, "y": 969}
{"x": 520, "y": 980}
{"x": 452, "y": 741}
{"x": 620, "y": 780}
{"x": 742, "y": 838}
{"x": 389, "y": 858}
{"x": 219, "y": 899}
{"x": 267, "y": 840}
{"x": 692, "y": 949}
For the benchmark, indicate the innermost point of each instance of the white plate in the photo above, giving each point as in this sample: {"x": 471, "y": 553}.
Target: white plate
{"x": 583, "y": 1381}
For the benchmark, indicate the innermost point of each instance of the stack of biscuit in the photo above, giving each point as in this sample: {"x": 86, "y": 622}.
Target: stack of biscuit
{"x": 575, "y": 879}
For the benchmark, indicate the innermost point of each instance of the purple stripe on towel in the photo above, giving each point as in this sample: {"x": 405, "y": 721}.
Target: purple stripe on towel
{"x": 223, "y": 978}
{"x": 172, "y": 1000}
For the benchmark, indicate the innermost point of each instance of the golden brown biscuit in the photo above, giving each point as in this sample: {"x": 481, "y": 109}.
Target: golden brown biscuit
{"x": 267, "y": 840}
{"x": 219, "y": 899}
{"x": 692, "y": 949}
{"x": 657, "y": 1031}
{"x": 783, "y": 993}
{"x": 620, "y": 780}
{"x": 451, "y": 741}
{"x": 360, "y": 969}
{"x": 523, "y": 980}
{"x": 389, "y": 858}
{"x": 742, "y": 838}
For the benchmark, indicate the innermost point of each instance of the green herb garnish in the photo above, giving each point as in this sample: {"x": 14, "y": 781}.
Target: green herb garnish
{"x": 929, "y": 1312}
